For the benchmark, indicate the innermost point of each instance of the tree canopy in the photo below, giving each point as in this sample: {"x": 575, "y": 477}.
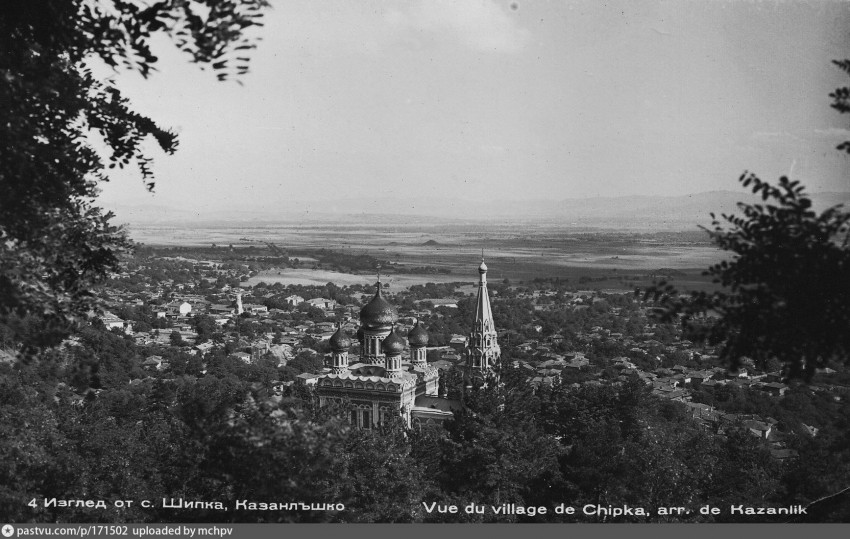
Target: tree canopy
{"x": 786, "y": 292}
{"x": 54, "y": 240}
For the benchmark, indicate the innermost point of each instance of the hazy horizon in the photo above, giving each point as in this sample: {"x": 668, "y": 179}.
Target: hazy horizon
{"x": 490, "y": 100}
{"x": 644, "y": 213}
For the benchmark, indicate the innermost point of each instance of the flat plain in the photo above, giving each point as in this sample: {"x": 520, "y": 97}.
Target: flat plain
{"x": 585, "y": 257}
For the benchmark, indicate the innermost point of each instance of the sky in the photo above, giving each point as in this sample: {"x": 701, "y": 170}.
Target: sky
{"x": 486, "y": 100}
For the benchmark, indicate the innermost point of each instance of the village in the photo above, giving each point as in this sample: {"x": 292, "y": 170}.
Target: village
{"x": 553, "y": 334}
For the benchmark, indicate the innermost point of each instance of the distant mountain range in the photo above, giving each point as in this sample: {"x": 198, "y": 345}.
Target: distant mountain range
{"x": 626, "y": 212}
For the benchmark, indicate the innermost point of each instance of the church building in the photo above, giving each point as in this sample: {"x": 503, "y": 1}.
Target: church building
{"x": 383, "y": 380}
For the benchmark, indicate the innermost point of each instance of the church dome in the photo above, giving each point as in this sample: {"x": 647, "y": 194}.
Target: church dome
{"x": 340, "y": 341}
{"x": 377, "y": 312}
{"x": 418, "y": 337}
{"x": 393, "y": 345}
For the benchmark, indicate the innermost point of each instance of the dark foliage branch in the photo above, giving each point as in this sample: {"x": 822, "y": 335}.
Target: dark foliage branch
{"x": 785, "y": 291}
{"x": 55, "y": 243}
{"x": 841, "y": 99}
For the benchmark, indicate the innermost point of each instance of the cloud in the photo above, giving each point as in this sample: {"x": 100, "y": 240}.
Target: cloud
{"x": 809, "y": 137}
{"x": 332, "y": 28}
{"x": 482, "y": 25}
{"x": 773, "y": 136}
{"x": 833, "y": 132}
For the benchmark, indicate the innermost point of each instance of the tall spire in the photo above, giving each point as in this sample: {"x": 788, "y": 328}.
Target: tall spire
{"x": 482, "y": 352}
{"x": 483, "y": 314}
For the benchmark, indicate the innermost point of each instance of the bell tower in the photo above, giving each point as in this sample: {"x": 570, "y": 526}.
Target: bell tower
{"x": 482, "y": 350}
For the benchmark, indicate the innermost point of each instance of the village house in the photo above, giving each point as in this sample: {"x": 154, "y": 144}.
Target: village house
{"x": 255, "y": 308}
{"x": 244, "y": 356}
{"x": 203, "y": 348}
{"x": 221, "y": 310}
{"x": 776, "y": 389}
{"x": 112, "y": 322}
{"x": 322, "y": 303}
{"x": 451, "y": 303}
{"x": 293, "y": 300}
{"x": 155, "y": 363}
{"x": 458, "y": 342}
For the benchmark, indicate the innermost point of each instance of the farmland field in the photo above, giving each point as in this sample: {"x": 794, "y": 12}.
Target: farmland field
{"x": 587, "y": 258}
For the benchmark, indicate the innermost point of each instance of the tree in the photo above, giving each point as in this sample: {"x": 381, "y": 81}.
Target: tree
{"x": 786, "y": 290}
{"x": 176, "y": 339}
{"x": 205, "y": 326}
{"x": 841, "y": 100}
{"x": 55, "y": 243}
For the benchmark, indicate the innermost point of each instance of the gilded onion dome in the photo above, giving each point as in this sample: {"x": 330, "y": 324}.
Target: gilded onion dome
{"x": 393, "y": 345}
{"x": 340, "y": 341}
{"x": 418, "y": 337}
{"x": 378, "y": 312}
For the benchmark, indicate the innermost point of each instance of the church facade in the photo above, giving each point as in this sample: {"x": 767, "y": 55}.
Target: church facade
{"x": 384, "y": 380}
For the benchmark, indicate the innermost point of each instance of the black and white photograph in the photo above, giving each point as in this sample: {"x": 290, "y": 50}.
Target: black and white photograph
{"x": 380, "y": 262}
